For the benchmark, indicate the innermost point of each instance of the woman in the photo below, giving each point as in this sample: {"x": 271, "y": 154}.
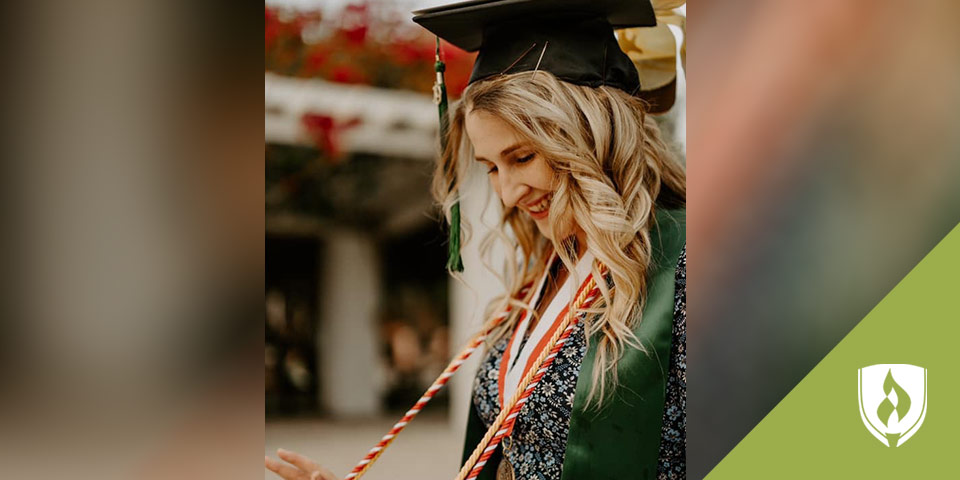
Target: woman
{"x": 590, "y": 196}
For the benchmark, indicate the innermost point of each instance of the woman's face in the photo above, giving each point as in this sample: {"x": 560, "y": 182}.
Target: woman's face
{"x": 519, "y": 174}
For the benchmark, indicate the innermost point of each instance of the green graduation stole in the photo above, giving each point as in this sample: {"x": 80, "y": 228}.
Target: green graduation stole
{"x": 622, "y": 440}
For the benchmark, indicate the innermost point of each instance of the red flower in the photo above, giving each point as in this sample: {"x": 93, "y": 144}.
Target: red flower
{"x": 406, "y": 53}
{"x": 324, "y": 132}
{"x": 316, "y": 59}
{"x": 271, "y": 28}
{"x": 355, "y": 23}
{"x": 347, "y": 74}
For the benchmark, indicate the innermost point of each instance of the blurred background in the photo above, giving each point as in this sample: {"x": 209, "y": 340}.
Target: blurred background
{"x": 361, "y": 315}
{"x": 824, "y": 163}
{"x": 132, "y": 303}
{"x": 358, "y": 301}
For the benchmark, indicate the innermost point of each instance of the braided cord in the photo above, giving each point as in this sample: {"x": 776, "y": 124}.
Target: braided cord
{"x": 442, "y": 380}
{"x": 503, "y": 425}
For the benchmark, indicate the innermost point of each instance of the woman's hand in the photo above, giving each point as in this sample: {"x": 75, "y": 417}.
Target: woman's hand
{"x": 299, "y": 468}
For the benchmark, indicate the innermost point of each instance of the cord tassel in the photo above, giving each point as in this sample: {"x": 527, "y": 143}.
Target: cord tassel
{"x": 454, "y": 262}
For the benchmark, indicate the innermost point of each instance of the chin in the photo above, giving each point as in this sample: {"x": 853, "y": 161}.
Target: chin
{"x": 545, "y": 231}
{"x": 566, "y": 224}
{"x": 544, "y": 228}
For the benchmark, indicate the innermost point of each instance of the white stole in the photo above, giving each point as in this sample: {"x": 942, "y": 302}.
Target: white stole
{"x": 518, "y": 358}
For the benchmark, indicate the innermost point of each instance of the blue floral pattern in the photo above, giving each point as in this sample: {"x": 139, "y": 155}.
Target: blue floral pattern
{"x": 673, "y": 435}
{"x": 539, "y": 438}
{"x": 537, "y": 445}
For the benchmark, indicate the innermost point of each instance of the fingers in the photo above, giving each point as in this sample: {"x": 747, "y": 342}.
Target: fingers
{"x": 285, "y": 471}
{"x": 300, "y": 461}
{"x": 305, "y": 468}
{"x": 323, "y": 474}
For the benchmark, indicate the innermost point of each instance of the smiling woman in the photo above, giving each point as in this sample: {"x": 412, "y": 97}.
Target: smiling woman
{"x": 583, "y": 374}
{"x": 592, "y": 200}
{"x": 588, "y": 190}
{"x": 572, "y": 165}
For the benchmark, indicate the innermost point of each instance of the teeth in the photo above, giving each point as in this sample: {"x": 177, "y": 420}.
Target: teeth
{"x": 543, "y": 205}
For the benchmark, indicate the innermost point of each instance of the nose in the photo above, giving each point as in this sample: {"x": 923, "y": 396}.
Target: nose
{"x": 512, "y": 188}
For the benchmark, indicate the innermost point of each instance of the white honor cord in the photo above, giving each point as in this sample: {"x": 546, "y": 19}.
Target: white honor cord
{"x": 518, "y": 358}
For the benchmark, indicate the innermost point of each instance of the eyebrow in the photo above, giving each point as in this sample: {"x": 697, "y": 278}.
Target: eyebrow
{"x": 505, "y": 151}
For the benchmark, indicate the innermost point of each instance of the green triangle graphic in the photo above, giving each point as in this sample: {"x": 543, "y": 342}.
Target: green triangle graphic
{"x": 816, "y": 430}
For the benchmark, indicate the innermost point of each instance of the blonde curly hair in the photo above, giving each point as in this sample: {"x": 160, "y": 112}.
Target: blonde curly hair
{"x": 612, "y": 170}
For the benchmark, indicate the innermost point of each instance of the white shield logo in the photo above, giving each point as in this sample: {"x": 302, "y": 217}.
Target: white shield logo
{"x": 893, "y": 401}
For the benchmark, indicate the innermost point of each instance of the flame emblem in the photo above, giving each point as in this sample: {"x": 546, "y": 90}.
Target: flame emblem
{"x": 893, "y": 401}
{"x": 887, "y": 407}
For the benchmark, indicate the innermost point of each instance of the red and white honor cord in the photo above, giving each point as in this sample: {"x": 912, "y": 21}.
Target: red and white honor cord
{"x": 495, "y": 434}
{"x": 503, "y": 425}
{"x": 442, "y": 380}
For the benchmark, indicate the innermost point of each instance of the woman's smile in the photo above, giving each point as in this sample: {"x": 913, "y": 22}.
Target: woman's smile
{"x": 540, "y": 208}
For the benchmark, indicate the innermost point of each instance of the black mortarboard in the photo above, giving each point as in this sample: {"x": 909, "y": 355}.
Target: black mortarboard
{"x": 572, "y": 39}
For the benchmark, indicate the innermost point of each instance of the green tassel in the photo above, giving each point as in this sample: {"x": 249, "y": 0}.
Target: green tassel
{"x": 454, "y": 262}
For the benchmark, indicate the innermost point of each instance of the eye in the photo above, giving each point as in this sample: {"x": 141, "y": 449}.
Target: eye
{"x": 526, "y": 158}
{"x": 493, "y": 169}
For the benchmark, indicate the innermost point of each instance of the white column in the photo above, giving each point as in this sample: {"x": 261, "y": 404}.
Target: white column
{"x": 349, "y": 298}
{"x": 468, "y": 302}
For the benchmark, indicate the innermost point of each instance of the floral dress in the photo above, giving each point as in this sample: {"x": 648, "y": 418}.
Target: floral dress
{"x": 537, "y": 444}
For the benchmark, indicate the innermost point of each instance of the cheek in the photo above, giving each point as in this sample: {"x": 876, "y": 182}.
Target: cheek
{"x": 544, "y": 177}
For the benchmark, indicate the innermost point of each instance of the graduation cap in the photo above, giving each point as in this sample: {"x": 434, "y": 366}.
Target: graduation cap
{"x": 572, "y": 39}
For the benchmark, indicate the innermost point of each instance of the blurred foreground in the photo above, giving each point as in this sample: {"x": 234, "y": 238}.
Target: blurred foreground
{"x": 824, "y": 163}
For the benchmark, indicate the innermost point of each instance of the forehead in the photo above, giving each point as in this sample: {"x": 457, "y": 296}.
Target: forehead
{"x": 488, "y": 134}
